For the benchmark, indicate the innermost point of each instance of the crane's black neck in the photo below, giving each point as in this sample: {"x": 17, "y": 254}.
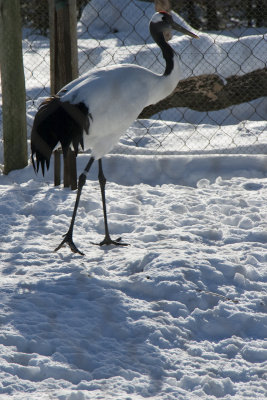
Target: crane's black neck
{"x": 167, "y": 51}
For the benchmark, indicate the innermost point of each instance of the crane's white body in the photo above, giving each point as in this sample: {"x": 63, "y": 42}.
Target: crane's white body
{"x": 115, "y": 96}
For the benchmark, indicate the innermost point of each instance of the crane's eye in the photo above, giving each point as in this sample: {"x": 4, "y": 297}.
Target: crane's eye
{"x": 166, "y": 18}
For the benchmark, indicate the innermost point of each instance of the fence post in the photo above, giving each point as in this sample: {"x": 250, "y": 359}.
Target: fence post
{"x": 63, "y": 43}
{"x": 13, "y": 87}
{"x": 63, "y": 65}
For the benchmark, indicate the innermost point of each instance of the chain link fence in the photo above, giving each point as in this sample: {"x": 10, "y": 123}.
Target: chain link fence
{"x": 221, "y": 103}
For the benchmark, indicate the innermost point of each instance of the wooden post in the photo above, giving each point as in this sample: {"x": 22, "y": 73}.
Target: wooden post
{"x": 63, "y": 63}
{"x": 70, "y": 170}
{"x": 67, "y": 169}
{"x": 13, "y": 87}
{"x": 57, "y": 167}
{"x": 73, "y": 168}
{"x": 63, "y": 43}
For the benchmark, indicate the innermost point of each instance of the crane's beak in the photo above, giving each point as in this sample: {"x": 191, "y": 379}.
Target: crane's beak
{"x": 181, "y": 29}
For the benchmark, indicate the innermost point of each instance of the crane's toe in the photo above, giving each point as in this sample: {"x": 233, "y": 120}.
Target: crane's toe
{"x": 69, "y": 241}
{"x": 107, "y": 241}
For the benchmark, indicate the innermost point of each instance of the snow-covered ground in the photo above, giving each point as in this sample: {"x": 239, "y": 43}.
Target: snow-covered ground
{"x": 180, "y": 313}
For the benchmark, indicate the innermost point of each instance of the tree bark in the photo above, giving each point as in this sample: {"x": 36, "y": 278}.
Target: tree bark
{"x": 13, "y": 87}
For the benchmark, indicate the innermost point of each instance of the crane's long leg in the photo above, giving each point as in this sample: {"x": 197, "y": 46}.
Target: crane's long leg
{"x": 68, "y": 236}
{"x": 102, "y": 183}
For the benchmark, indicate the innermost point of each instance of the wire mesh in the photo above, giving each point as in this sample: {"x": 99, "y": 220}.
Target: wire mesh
{"x": 211, "y": 110}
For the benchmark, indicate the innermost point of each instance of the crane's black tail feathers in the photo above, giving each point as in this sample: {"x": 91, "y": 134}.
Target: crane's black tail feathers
{"x": 57, "y": 121}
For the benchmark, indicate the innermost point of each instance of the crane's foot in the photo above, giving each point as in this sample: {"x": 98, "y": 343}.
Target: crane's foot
{"x": 68, "y": 240}
{"x": 107, "y": 241}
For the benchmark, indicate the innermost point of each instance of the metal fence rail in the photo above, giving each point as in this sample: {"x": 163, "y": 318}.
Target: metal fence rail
{"x": 115, "y": 31}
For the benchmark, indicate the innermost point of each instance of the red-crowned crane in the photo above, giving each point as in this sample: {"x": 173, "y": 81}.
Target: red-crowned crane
{"x": 94, "y": 110}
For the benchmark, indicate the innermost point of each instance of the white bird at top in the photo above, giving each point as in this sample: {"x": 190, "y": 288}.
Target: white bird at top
{"x": 93, "y": 111}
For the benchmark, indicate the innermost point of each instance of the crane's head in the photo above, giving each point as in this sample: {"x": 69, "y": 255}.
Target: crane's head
{"x": 163, "y": 22}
